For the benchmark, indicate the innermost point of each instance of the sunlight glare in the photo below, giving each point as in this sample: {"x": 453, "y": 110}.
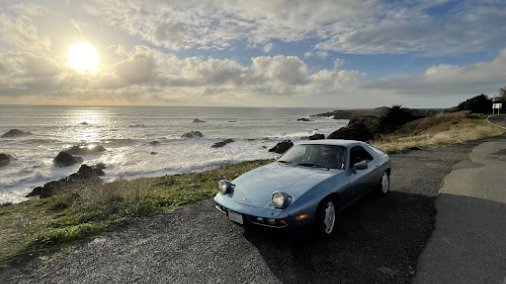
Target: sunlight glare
{"x": 83, "y": 57}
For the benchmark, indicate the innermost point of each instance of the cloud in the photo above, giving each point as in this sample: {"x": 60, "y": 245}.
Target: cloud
{"x": 449, "y": 80}
{"x": 145, "y": 74}
{"x": 18, "y": 30}
{"x": 148, "y": 75}
{"x": 138, "y": 68}
{"x": 345, "y": 26}
{"x": 268, "y": 47}
{"x": 338, "y": 63}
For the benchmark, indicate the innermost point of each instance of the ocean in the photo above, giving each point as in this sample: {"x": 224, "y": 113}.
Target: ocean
{"x": 126, "y": 133}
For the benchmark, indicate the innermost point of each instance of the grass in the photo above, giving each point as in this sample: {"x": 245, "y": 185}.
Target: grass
{"x": 438, "y": 130}
{"x": 35, "y": 227}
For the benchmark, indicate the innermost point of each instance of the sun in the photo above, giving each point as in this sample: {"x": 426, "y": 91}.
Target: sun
{"x": 83, "y": 57}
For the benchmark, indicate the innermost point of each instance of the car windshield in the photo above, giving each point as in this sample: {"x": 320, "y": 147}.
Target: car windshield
{"x": 313, "y": 155}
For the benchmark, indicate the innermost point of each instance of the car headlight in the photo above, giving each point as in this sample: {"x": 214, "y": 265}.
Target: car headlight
{"x": 280, "y": 199}
{"x": 225, "y": 186}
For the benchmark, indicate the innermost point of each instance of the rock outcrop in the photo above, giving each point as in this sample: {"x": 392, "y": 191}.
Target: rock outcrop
{"x": 303, "y": 119}
{"x": 5, "y": 159}
{"x": 64, "y": 159}
{"x": 85, "y": 175}
{"x": 361, "y": 128}
{"x": 13, "y": 133}
{"x": 282, "y": 147}
{"x": 192, "y": 134}
{"x": 222, "y": 143}
{"x": 316, "y": 136}
{"x": 196, "y": 120}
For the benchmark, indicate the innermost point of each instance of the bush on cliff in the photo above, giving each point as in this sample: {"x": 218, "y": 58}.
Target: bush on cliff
{"x": 478, "y": 104}
{"x": 395, "y": 118}
{"x": 367, "y": 127}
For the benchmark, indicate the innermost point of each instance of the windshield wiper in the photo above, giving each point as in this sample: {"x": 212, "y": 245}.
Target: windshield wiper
{"x": 311, "y": 165}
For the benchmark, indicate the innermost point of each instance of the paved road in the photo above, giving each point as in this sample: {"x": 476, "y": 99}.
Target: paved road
{"x": 378, "y": 240}
{"x": 469, "y": 242}
{"x": 498, "y": 119}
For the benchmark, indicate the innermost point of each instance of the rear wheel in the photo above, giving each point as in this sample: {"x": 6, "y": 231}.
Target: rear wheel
{"x": 384, "y": 185}
{"x": 326, "y": 217}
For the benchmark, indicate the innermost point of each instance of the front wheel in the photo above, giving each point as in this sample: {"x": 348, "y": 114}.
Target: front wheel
{"x": 384, "y": 185}
{"x": 326, "y": 218}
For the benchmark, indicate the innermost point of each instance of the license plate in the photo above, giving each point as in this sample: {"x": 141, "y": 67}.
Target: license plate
{"x": 236, "y": 217}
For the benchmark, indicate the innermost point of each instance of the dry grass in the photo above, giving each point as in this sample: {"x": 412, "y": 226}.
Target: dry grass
{"x": 426, "y": 134}
{"x": 422, "y": 124}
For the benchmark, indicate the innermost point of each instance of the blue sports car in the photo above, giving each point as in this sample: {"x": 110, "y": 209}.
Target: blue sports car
{"x": 309, "y": 184}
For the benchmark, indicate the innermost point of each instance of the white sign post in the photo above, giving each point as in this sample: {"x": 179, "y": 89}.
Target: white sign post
{"x": 496, "y": 106}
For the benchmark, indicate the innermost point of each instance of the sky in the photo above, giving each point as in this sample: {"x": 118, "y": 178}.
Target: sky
{"x": 274, "y": 53}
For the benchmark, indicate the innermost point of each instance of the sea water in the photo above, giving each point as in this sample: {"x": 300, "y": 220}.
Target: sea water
{"x": 125, "y": 132}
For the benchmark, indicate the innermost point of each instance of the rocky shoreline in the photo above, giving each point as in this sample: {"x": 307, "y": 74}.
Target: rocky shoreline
{"x": 86, "y": 175}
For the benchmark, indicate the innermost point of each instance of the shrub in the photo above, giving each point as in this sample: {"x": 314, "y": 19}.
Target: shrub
{"x": 478, "y": 104}
{"x": 394, "y": 118}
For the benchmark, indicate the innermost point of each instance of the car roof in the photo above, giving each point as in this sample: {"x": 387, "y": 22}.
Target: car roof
{"x": 337, "y": 142}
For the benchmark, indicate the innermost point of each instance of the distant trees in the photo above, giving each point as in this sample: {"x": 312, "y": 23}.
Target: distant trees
{"x": 502, "y": 96}
{"x": 478, "y": 104}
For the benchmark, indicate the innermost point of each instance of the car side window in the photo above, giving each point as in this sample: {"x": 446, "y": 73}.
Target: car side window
{"x": 359, "y": 154}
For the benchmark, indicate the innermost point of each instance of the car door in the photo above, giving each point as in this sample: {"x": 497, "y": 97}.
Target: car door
{"x": 360, "y": 180}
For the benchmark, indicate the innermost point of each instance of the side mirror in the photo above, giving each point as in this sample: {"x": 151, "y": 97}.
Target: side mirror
{"x": 359, "y": 166}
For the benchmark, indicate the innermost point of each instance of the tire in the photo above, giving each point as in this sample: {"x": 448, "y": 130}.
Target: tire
{"x": 326, "y": 217}
{"x": 384, "y": 184}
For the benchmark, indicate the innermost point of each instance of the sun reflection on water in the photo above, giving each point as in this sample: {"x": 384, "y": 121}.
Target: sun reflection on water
{"x": 88, "y": 124}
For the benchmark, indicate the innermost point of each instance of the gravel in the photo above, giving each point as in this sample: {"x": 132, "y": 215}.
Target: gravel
{"x": 378, "y": 240}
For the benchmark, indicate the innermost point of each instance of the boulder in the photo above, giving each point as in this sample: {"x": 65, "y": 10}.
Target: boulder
{"x": 222, "y": 143}
{"x": 358, "y": 131}
{"x": 86, "y": 172}
{"x": 361, "y": 128}
{"x": 44, "y": 191}
{"x": 282, "y": 147}
{"x": 153, "y": 153}
{"x": 154, "y": 143}
{"x": 64, "y": 159}
{"x": 4, "y": 159}
{"x": 196, "y": 120}
{"x": 85, "y": 149}
{"x": 99, "y": 166}
{"x": 85, "y": 175}
{"x": 303, "y": 119}
{"x": 317, "y": 136}
{"x": 13, "y": 133}
{"x": 192, "y": 134}
{"x": 84, "y": 123}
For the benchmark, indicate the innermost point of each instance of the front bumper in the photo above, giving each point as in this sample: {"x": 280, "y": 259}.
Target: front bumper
{"x": 277, "y": 223}
{"x": 266, "y": 217}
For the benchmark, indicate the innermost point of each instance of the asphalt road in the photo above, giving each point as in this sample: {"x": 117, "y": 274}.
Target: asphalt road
{"x": 378, "y": 240}
{"x": 469, "y": 242}
{"x": 499, "y": 119}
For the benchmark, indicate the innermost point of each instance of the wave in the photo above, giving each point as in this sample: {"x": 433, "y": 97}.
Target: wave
{"x": 40, "y": 141}
{"x": 120, "y": 141}
{"x": 137, "y": 125}
{"x": 294, "y": 135}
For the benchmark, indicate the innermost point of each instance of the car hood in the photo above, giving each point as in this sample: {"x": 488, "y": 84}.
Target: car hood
{"x": 255, "y": 187}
